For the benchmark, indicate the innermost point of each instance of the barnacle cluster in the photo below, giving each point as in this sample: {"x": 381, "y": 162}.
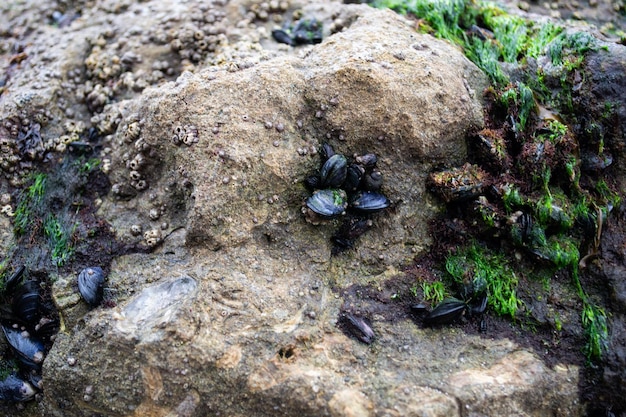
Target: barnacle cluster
{"x": 345, "y": 188}
{"x": 268, "y": 10}
{"x": 22, "y": 142}
{"x": 196, "y": 39}
{"x": 185, "y": 134}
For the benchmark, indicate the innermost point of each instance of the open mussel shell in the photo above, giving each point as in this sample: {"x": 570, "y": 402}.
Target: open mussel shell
{"x": 91, "y": 285}
{"x": 12, "y": 388}
{"x": 446, "y": 312}
{"x": 334, "y": 171}
{"x": 369, "y": 202}
{"x": 29, "y": 349}
{"x": 328, "y": 203}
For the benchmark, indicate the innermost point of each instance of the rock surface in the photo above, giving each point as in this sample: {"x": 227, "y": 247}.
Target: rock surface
{"x": 230, "y": 304}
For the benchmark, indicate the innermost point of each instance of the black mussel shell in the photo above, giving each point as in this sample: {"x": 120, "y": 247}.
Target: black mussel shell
{"x": 353, "y": 178}
{"x": 307, "y": 32}
{"x": 369, "y": 202}
{"x": 358, "y": 327}
{"x": 326, "y": 151}
{"x": 12, "y": 388}
{"x": 419, "y": 309}
{"x": 281, "y": 36}
{"x": 480, "y": 304}
{"x": 368, "y": 160}
{"x": 29, "y": 349}
{"x": 328, "y": 203}
{"x": 348, "y": 232}
{"x": 15, "y": 278}
{"x": 334, "y": 171}
{"x": 91, "y": 285}
{"x": 312, "y": 182}
{"x": 372, "y": 181}
{"x": 446, "y": 312}
{"x": 27, "y": 303}
{"x": 80, "y": 148}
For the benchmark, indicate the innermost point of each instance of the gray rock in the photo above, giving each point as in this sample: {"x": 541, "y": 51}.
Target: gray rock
{"x": 233, "y": 311}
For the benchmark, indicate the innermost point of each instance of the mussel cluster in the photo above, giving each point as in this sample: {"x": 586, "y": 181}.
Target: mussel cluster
{"x": 344, "y": 187}
{"x": 303, "y": 32}
{"x": 29, "y": 324}
{"x": 471, "y": 300}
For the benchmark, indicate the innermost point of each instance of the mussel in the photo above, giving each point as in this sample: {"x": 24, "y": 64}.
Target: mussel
{"x": 328, "y": 203}
{"x": 369, "y": 202}
{"x": 334, "y": 171}
{"x": 354, "y": 175}
{"x": 91, "y": 285}
{"x": 15, "y": 278}
{"x": 281, "y": 36}
{"x": 372, "y": 181}
{"x": 351, "y": 228}
{"x": 27, "y": 302}
{"x": 29, "y": 349}
{"x": 12, "y": 388}
{"x": 446, "y": 312}
{"x": 368, "y": 160}
{"x": 358, "y": 327}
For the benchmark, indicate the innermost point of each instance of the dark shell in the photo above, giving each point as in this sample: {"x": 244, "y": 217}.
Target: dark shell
{"x": 328, "y": 203}
{"x": 446, "y": 312}
{"x": 368, "y": 160}
{"x": 334, "y": 171}
{"x": 27, "y": 303}
{"x": 14, "y": 389}
{"x": 369, "y": 202}
{"x": 326, "y": 151}
{"x": 15, "y": 278}
{"x": 307, "y": 32}
{"x": 419, "y": 309}
{"x": 29, "y": 349}
{"x": 353, "y": 178}
{"x": 281, "y": 36}
{"x": 480, "y": 305}
{"x": 80, "y": 148}
{"x": 312, "y": 182}
{"x": 348, "y": 232}
{"x": 373, "y": 181}
{"x": 358, "y": 327}
{"x": 91, "y": 285}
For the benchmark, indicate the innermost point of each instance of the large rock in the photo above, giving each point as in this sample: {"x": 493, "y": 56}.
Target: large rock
{"x": 229, "y": 303}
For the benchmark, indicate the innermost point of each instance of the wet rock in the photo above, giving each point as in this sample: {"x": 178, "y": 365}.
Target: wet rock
{"x": 602, "y": 105}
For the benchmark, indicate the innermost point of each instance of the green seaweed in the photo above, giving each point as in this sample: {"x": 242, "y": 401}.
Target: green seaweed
{"x": 491, "y": 269}
{"x": 59, "y": 237}
{"x": 29, "y": 202}
{"x": 434, "y": 291}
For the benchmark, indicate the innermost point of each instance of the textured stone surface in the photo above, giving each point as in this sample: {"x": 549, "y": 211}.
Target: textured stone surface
{"x": 229, "y": 304}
